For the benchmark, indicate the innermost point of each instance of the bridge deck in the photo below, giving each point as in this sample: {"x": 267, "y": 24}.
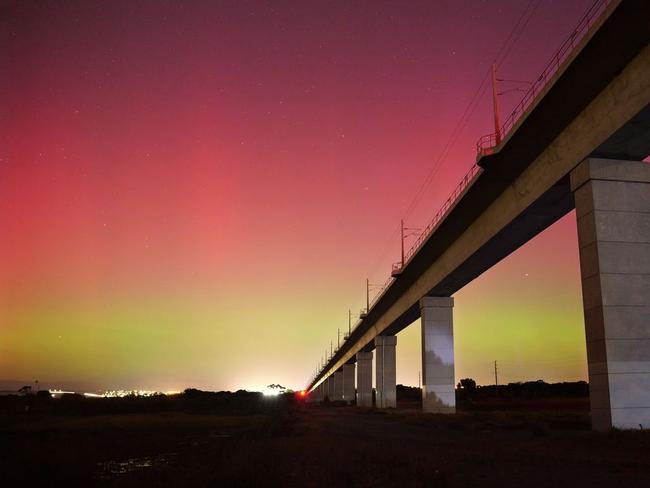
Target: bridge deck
{"x": 618, "y": 39}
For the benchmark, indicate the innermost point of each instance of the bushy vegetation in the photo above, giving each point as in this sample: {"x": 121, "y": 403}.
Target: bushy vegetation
{"x": 191, "y": 400}
{"x": 471, "y": 396}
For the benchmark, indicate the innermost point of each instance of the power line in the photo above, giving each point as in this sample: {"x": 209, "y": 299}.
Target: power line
{"x": 511, "y": 41}
{"x": 501, "y": 55}
{"x": 471, "y": 107}
{"x": 460, "y": 126}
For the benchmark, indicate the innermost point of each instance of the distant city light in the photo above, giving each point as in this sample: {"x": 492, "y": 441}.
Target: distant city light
{"x": 56, "y": 392}
{"x": 125, "y": 393}
{"x": 114, "y": 393}
{"x": 273, "y": 390}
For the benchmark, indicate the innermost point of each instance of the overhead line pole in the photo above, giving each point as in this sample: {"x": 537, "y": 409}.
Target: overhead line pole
{"x": 367, "y": 295}
{"x": 402, "y": 230}
{"x": 495, "y": 101}
{"x": 349, "y": 322}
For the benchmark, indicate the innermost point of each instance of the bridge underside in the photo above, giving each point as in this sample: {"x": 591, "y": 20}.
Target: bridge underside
{"x": 630, "y": 142}
{"x": 597, "y": 106}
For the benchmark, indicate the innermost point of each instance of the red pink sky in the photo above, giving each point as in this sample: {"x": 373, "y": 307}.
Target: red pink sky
{"x": 193, "y": 193}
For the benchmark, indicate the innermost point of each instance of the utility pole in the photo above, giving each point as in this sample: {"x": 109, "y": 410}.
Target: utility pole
{"x": 331, "y": 349}
{"x": 349, "y": 322}
{"x": 419, "y": 382}
{"x": 338, "y": 335}
{"x": 495, "y": 101}
{"x": 496, "y": 377}
{"x": 402, "y": 230}
{"x": 367, "y": 295}
{"x": 406, "y": 232}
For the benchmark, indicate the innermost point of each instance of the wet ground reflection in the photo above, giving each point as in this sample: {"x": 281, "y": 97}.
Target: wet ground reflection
{"x": 112, "y": 469}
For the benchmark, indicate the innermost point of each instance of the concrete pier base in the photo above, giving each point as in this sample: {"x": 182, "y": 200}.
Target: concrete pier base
{"x": 348, "y": 383}
{"x": 612, "y": 200}
{"x": 364, "y": 379}
{"x": 338, "y": 386}
{"x": 311, "y": 397}
{"x": 385, "y": 371}
{"x": 438, "y": 381}
{"x": 330, "y": 388}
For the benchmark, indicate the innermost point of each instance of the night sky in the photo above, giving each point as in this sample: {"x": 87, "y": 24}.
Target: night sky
{"x": 193, "y": 193}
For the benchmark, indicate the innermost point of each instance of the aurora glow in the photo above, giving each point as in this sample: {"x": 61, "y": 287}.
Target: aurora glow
{"x": 194, "y": 193}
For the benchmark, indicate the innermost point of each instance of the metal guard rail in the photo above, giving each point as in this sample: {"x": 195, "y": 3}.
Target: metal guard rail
{"x": 486, "y": 144}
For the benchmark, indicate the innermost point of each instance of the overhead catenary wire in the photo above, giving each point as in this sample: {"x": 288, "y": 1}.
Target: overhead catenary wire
{"x": 469, "y": 110}
{"x": 517, "y": 31}
{"x": 501, "y": 55}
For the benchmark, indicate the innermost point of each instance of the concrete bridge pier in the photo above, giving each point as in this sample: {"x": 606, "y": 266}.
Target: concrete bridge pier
{"x": 364, "y": 379}
{"x": 612, "y": 200}
{"x": 330, "y": 387}
{"x": 438, "y": 380}
{"x": 338, "y": 385}
{"x": 385, "y": 373}
{"x": 348, "y": 382}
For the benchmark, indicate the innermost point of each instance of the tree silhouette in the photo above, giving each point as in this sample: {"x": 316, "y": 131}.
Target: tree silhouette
{"x": 467, "y": 384}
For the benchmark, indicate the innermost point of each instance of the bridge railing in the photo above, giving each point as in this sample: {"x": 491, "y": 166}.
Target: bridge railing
{"x": 486, "y": 144}
{"x": 382, "y": 290}
{"x": 431, "y": 227}
{"x": 428, "y": 230}
{"x": 442, "y": 211}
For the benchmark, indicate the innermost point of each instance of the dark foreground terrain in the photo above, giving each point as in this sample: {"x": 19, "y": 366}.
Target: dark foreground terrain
{"x": 284, "y": 442}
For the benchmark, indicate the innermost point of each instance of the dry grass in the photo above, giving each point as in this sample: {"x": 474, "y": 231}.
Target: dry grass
{"x": 307, "y": 445}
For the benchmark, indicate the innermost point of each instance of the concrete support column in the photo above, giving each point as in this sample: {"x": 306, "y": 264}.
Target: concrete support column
{"x": 438, "y": 380}
{"x": 348, "y": 382}
{"x": 338, "y": 386}
{"x": 364, "y": 379}
{"x": 385, "y": 371}
{"x": 330, "y": 388}
{"x": 613, "y": 215}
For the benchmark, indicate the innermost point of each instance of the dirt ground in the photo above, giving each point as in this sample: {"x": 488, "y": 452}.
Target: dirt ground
{"x": 312, "y": 445}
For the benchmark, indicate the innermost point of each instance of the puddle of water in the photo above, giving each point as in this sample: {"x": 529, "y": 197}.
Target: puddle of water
{"x": 112, "y": 469}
